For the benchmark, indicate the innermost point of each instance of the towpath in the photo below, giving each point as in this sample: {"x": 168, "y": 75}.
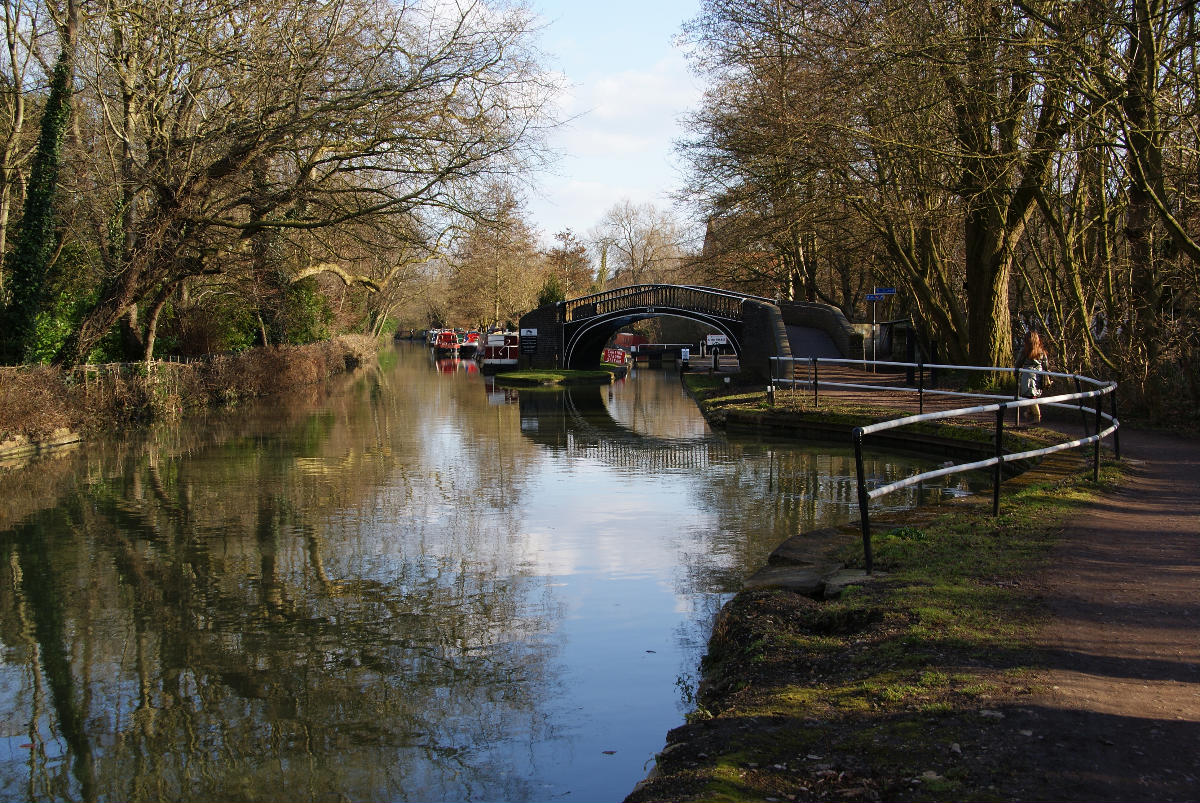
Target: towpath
{"x": 1116, "y": 710}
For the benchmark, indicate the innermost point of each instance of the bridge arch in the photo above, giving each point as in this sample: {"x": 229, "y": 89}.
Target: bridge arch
{"x": 583, "y": 345}
{"x": 572, "y": 333}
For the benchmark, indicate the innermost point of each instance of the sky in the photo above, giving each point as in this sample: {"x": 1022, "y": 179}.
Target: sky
{"x": 627, "y": 86}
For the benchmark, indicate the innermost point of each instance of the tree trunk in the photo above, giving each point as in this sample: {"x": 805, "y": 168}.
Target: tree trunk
{"x": 160, "y": 301}
{"x": 97, "y": 322}
{"x": 132, "y": 344}
{"x": 989, "y": 268}
{"x": 35, "y": 241}
{"x": 1145, "y": 170}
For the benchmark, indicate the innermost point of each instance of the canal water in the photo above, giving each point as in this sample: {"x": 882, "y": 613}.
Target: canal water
{"x": 411, "y": 585}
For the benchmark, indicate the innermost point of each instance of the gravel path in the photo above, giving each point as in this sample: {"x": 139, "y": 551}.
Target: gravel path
{"x": 1117, "y": 712}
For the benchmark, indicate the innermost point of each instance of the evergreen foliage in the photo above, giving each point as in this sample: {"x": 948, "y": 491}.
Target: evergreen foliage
{"x": 36, "y": 241}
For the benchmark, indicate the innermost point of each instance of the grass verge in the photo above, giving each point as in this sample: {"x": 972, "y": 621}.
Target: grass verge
{"x": 903, "y": 688}
{"x": 554, "y": 377}
{"x": 895, "y": 691}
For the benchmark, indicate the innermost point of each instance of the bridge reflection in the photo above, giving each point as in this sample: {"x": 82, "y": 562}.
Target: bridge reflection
{"x": 577, "y": 420}
{"x": 818, "y": 477}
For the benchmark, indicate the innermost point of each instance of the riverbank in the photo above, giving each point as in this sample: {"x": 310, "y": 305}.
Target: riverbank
{"x": 44, "y": 407}
{"x": 904, "y": 687}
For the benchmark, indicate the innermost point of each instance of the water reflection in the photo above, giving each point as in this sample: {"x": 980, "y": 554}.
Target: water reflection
{"x": 415, "y": 586}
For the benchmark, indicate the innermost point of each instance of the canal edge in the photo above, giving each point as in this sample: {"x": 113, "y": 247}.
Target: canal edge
{"x": 796, "y": 564}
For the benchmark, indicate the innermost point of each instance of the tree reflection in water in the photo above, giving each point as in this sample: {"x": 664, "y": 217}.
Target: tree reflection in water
{"x": 377, "y": 592}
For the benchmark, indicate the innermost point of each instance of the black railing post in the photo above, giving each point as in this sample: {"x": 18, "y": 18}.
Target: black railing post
{"x": 1116, "y": 423}
{"x": 1099, "y": 427}
{"x": 815, "y": 379}
{"x": 863, "y": 499}
{"x": 999, "y": 468}
{"x": 921, "y": 385}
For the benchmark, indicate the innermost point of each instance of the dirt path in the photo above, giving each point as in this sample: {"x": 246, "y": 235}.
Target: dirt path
{"x": 1117, "y": 712}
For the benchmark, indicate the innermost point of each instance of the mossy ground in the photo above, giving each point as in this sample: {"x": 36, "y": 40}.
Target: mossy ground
{"x": 896, "y": 690}
{"x": 554, "y": 377}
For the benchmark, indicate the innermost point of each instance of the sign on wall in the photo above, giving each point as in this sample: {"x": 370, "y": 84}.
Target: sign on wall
{"x": 529, "y": 341}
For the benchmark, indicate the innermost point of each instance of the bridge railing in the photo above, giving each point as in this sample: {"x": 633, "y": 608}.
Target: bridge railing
{"x": 704, "y": 300}
{"x": 731, "y": 293}
{"x": 1106, "y": 423}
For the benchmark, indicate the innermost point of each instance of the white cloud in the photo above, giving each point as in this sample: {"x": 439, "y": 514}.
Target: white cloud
{"x": 619, "y": 144}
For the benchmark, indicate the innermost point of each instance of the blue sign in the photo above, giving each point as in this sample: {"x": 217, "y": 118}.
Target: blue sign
{"x": 885, "y": 291}
{"x": 875, "y": 297}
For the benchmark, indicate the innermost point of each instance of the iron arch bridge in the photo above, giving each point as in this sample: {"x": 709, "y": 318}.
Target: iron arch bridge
{"x": 589, "y": 321}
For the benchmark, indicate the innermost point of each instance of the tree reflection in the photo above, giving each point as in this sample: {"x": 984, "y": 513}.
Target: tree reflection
{"x": 342, "y": 596}
{"x": 270, "y": 614}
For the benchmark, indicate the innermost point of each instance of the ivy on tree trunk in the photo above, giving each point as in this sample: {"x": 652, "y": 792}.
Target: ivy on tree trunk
{"x": 36, "y": 242}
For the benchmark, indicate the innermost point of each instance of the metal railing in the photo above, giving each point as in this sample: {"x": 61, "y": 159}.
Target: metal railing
{"x": 1071, "y": 401}
{"x": 720, "y": 303}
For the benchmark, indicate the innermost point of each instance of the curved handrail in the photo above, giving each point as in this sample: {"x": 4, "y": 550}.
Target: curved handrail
{"x": 731, "y": 293}
{"x": 716, "y": 291}
{"x": 1102, "y": 388}
{"x": 722, "y": 303}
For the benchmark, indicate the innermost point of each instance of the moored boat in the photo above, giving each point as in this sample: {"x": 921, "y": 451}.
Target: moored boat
{"x": 468, "y": 345}
{"x": 501, "y": 351}
{"x": 445, "y": 344}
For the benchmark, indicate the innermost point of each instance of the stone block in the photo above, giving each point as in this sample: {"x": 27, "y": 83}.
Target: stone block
{"x": 788, "y": 578}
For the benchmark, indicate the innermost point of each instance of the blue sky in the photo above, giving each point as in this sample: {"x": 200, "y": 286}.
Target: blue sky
{"x": 627, "y": 86}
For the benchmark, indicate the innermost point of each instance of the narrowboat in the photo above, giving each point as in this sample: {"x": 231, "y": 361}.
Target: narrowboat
{"x": 469, "y": 345}
{"x": 445, "y": 344}
{"x": 501, "y": 351}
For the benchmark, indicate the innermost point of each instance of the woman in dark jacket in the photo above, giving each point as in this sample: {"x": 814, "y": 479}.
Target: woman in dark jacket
{"x": 1033, "y": 355}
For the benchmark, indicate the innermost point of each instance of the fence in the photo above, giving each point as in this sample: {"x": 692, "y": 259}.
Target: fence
{"x": 1077, "y": 401}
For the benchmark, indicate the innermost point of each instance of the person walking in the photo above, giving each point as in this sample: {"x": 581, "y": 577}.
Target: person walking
{"x": 1033, "y": 356}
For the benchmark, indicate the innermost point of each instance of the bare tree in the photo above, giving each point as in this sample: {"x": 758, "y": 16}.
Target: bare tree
{"x": 238, "y": 137}
{"x": 570, "y": 264}
{"x": 36, "y": 244}
{"x": 937, "y": 122}
{"x": 497, "y": 269}
{"x": 641, "y": 244}
{"x": 25, "y": 24}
